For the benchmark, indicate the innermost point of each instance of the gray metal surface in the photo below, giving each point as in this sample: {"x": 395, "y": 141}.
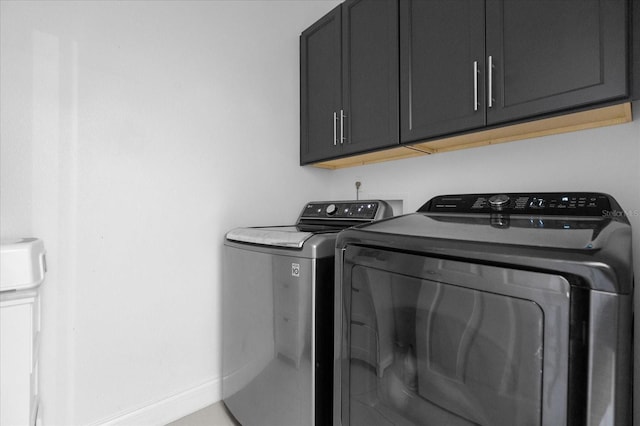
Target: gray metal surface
{"x": 433, "y": 283}
{"x": 314, "y": 247}
{"x": 597, "y": 249}
{"x": 267, "y": 340}
{"x": 315, "y": 231}
{"x": 286, "y": 236}
{"x": 610, "y": 357}
{"x": 269, "y": 313}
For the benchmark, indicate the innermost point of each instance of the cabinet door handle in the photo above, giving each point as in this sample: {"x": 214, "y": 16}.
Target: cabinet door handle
{"x": 335, "y": 128}
{"x": 342, "y": 117}
{"x": 475, "y": 85}
{"x": 490, "y": 66}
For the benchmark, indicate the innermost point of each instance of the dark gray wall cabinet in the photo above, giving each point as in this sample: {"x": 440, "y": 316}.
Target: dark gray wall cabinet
{"x": 442, "y": 67}
{"x": 320, "y": 87}
{"x": 379, "y": 73}
{"x": 467, "y": 64}
{"x": 349, "y": 85}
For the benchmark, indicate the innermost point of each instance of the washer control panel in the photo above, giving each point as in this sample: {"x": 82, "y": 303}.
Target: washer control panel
{"x": 358, "y": 210}
{"x": 544, "y": 203}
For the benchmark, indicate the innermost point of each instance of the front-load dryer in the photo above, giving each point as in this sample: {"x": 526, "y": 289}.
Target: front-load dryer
{"x": 487, "y": 309}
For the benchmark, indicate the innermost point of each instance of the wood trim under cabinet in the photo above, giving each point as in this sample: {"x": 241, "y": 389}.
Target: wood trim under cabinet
{"x": 589, "y": 119}
{"x": 396, "y": 153}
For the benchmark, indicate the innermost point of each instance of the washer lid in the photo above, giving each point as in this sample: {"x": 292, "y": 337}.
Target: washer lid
{"x": 22, "y": 264}
{"x": 279, "y": 236}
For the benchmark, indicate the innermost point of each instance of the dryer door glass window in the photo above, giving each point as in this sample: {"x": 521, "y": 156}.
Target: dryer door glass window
{"x": 432, "y": 351}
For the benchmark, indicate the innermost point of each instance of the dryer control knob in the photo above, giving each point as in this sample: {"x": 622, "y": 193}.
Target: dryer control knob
{"x": 497, "y": 202}
{"x": 331, "y": 209}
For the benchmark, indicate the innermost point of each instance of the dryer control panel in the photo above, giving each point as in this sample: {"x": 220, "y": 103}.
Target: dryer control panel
{"x": 543, "y": 203}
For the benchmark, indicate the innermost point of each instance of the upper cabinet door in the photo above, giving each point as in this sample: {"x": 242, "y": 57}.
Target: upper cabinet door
{"x": 442, "y": 67}
{"x": 320, "y": 87}
{"x": 370, "y": 75}
{"x": 550, "y": 55}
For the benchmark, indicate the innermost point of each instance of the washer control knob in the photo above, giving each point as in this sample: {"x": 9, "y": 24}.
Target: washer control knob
{"x": 498, "y": 202}
{"x": 331, "y": 209}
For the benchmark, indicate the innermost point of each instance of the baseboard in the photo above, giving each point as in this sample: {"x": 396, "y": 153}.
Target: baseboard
{"x": 168, "y": 409}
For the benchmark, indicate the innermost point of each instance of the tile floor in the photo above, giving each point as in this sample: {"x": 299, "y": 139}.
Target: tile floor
{"x": 213, "y": 415}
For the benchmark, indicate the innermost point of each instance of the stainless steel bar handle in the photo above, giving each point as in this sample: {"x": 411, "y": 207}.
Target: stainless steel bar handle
{"x": 342, "y": 117}
{"x": 475, "y": 85}
{"x": 335, "y": 128}
{"x": 490, "y": 81}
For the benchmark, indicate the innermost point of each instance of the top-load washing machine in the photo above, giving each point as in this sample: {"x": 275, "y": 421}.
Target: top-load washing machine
{"x": 492, "y": 310}
{"x": 277, "y": 315}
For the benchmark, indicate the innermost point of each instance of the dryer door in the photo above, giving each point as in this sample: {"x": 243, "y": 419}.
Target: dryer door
{"x": 431, "y": 342}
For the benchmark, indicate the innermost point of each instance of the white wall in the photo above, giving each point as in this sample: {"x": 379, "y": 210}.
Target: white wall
{"x": 600, "y": 160}
{"x": 133, "y": 135}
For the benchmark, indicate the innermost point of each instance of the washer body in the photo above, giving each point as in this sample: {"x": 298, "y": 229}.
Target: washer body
{"x": 277, "y": 315}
